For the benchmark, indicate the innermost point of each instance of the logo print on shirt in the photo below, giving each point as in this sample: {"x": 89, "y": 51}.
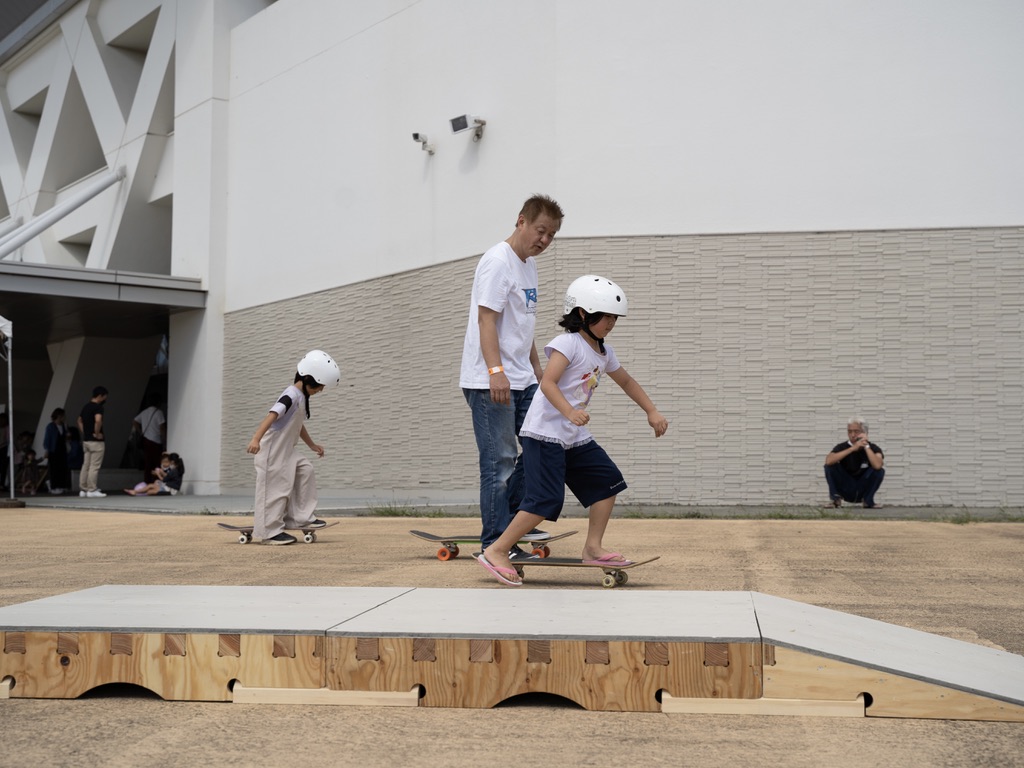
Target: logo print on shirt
{"x": 531, "y": 296}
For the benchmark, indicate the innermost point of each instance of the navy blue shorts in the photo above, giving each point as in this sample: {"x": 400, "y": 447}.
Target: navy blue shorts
{"x": 588, "y": 471}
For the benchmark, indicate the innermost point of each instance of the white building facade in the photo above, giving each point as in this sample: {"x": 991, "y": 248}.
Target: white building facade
{"x": 817, "y": 211}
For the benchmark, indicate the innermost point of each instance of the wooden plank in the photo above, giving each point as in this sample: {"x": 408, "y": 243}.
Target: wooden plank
{"x": 229, "y": 645}
{"x": 284, "y": 646}
{"x": 910, "y": 653}
{"x": 625, "y": 683}
{"x": 120, "y": 643}
{"x": 317, "y": 696}
{"x": 538, "y": 651}
{"x": 798, "y": 707}
{"x": 716, "y": 654}
{"x": 802, "y": 675}
{"x": 656, "y": 654}
{"x": 481, "y": 651}
{"x": 14, "y": 642}
{"x": 367, "y": 648}
{"x": 200, "y": 675}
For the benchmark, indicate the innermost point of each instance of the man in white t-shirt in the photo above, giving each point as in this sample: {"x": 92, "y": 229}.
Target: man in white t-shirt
{"x": 500, "y": 365}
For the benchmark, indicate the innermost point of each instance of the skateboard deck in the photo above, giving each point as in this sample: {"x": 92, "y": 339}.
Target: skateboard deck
{"x": 614, "y": 575}
{"x": 245, "y": 531}
{"x": 450, "y": 544}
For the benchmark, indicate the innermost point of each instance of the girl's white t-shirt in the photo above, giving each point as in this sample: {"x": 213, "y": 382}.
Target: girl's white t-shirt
{"x": 579, "y": 380}
{"x": 286, "y": 413}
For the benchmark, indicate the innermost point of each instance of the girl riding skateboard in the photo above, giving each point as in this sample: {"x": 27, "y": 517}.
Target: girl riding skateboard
{"x": 286, "y": 494}
{"x": 558, "y": 449}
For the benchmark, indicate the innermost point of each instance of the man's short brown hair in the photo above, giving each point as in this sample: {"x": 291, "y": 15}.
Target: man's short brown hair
{"x": 542, "y": 205}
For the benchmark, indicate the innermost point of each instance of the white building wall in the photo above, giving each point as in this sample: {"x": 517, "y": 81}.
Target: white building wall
{"x": 815, "y": 208}
{"x": 660, "y": 117}
{"x": 757, "y": 348}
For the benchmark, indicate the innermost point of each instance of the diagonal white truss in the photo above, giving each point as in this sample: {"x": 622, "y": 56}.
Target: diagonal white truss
{"x": 93, "y": 93}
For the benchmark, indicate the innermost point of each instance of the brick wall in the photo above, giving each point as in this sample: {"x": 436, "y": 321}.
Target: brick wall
{"x": 757, "y": 348}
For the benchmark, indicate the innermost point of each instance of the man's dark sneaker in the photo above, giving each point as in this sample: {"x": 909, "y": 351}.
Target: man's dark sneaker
{"x": 316, "y": 523}
{"x": 517, "y": 553}
{"x": 837, "y": 503}
{"x": 281, "y": 538}
{"x": 537, "y": 535}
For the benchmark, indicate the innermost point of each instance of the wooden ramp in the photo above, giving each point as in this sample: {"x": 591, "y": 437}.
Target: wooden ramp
{"x": 656, "y": 651}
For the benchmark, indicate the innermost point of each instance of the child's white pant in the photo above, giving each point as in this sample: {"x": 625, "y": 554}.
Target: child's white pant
{"x": 286, "y": 494}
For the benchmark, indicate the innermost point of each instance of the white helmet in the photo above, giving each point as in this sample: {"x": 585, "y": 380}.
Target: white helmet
{"x": 321, "y": 367}
{"x": 596, "y": 294}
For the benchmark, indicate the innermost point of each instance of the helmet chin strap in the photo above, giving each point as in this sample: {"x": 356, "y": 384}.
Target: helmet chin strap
{"x": 598, "y": 339}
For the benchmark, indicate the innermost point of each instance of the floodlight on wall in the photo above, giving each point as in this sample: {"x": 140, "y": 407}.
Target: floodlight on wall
{"x": 425, "y": 145}
{"x": 469, "y": 123}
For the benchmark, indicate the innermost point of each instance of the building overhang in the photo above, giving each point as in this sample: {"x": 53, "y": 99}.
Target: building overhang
{"x": 49, "y": 304}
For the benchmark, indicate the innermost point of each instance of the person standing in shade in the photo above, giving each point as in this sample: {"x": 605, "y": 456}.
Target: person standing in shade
{"x": 90, "y": 424}
{"x": 152, "y": 425}
{"x": 55, "y": 446}
{"x": 500, "y": 365}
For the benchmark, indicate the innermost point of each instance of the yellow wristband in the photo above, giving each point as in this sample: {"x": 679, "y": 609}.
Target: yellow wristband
{"x": 496, "y": 369}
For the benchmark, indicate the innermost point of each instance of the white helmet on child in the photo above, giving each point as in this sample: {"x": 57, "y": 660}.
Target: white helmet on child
{"x": 596, "y": 294}
{"x": 321, "y": 367}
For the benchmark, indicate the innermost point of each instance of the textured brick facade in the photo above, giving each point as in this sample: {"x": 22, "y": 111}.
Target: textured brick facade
{"x": 757, "y": 348}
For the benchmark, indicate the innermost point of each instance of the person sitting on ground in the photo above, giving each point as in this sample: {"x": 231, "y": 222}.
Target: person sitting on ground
{"x": 854, "y": 469}
{"x": 31, "y": 473}
{"x": 168, "y": 483}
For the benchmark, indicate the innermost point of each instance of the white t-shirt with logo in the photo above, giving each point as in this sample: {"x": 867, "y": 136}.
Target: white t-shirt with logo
{"x": 579, "y": 380}
{"x": 505, "y": 284}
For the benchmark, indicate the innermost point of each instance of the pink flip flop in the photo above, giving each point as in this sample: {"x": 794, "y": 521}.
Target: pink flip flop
{"x": 497, "y": 571}
{"x": 611, "y": 558}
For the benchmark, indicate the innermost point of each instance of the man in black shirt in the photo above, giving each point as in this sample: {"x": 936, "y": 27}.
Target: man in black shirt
{"x": 854, "y": 469}
{"x": 90, "y": 423}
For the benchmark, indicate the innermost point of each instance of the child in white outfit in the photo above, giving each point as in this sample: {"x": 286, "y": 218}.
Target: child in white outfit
{"x": 558, "y": 449}
{"x": 286, "y": 496}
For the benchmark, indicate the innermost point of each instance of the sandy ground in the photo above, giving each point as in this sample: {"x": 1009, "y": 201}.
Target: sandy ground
{"x": 961, "y": 581}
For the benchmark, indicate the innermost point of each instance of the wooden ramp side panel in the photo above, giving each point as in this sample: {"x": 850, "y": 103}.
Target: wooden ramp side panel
{"x": 622, "y": 676}
{"x": 797, "y": 674}
{"x": 179, "y": 667}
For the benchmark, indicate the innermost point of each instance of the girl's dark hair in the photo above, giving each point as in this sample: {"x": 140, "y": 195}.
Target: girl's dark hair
{"x": 574, "y": 323}
{"x": 178, "y": 463}
{"x": 56, "y": 412}
{"x": 308, "y": 380}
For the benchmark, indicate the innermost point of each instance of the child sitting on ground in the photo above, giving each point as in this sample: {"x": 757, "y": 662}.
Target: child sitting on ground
{"x": 169, "y": 475}
{"x": 31, "y": 473}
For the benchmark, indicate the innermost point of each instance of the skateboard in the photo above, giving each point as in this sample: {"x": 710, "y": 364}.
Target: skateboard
{"x": 450, "y": 544}
{"x": 614, "y": 575}
{"x": 245, "y": 532}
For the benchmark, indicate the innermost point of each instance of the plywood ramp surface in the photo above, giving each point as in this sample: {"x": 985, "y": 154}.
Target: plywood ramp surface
{"x": 630, "y": 650}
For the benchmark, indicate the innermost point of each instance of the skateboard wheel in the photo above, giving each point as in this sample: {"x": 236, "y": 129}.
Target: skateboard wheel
{"x": 309, "y": 538}
{"x": 444, "y": 554}
{"x": 608, "y": 580}
{"x": 542, "y": 551}
{"x": 243, "y": 538}
{"x": 621, "y": 577}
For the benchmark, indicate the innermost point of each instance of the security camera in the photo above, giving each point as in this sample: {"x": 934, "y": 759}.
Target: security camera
{"x": 424, "y": 145}
{"x": 469, "y": 123}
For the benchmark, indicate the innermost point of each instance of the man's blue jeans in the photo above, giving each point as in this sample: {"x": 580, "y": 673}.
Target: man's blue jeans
{"x": 842, "y": 485}
{"x": 502, "y": 484}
